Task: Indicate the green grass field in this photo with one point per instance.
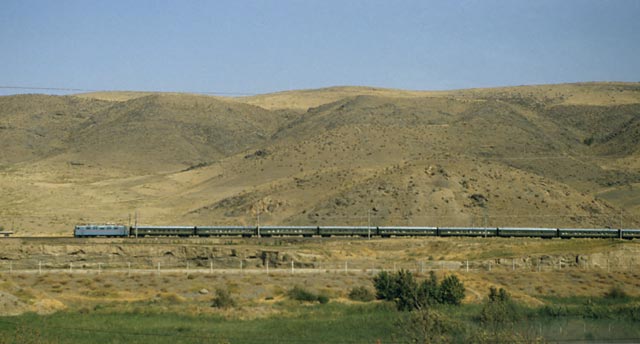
(332, 323)
(595, 320)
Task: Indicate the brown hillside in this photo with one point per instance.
(167, 132)
(37, 126)
(549, 155)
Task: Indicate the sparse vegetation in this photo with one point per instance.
(299, 293)
(362, 294)
(499, 310)
(289, 155)
(408, 294)
(617, 293)
(403, 157)
(223, 299)
(429, 326)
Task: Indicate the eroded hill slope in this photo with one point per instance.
(549, 155)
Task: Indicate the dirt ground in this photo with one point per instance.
(169, 274)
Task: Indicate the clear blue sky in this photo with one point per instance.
(266, 46)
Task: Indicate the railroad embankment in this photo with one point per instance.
(44, 275)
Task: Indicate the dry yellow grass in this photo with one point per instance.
(530, 269)
(404, 157)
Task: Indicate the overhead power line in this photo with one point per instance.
(71, 89)
(47, 88)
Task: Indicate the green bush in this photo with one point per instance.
(429, 326)
(323, 299)
(429, 291)
(554, 311)
(617, 293)
(300, 294)
(408, 294)
(223, 299)
(362, 294)
(451, 290)
(499, 310)
(385, 286)
(407, 291)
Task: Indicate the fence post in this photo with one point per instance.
(539, 264)
(292, 267)
(211, 267)
(99, 268)
(467, 265)
(346, 268)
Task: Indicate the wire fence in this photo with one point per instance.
(253, 266)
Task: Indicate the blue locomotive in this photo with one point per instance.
(101, 231)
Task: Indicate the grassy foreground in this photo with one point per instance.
(332, 323)
(600, 319)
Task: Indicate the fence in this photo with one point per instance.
(256, 266)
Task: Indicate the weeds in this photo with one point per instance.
(362, 294)
(616, 293)
(300, 294)
(223, 299)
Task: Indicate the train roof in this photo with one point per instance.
(589, 229)
(101, 225)
(470, 228)
(407, 227)
(528, 228)
(288, 227)
(222, 227)
(164, 227)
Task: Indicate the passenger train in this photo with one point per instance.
(83, 231)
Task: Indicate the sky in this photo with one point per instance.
(249, 47)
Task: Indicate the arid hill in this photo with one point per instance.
(548, 155)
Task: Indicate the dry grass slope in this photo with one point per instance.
(552, 155)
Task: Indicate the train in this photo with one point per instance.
(113, 230)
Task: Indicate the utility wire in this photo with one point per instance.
(66, 89)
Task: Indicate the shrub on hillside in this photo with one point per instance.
(385, 286)
(323, 299)
(451, 290)
(408, 294)
(429, 290)
(223, 299)
(300, 294)
(499, 310)
(616, 292)
(362, 294)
